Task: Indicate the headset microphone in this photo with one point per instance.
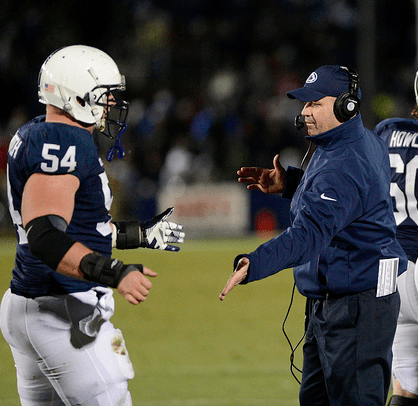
(299, 122)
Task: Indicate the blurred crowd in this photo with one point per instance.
(207, 80)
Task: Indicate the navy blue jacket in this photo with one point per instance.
(341, 215)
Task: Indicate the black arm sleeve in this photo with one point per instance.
(48, 240)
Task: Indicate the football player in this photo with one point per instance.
(401, 137)
(56, 314)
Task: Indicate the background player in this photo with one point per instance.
(401, 137)
(55, 316)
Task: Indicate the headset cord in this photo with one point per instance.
(293, 367)
(293, 349)
(306, 155)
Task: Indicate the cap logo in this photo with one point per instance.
(312, 78)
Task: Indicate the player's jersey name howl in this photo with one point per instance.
(404, 139)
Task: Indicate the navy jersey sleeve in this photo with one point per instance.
(57, 149)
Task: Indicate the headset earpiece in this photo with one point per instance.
(347, 104)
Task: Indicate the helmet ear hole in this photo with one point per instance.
(81, 101)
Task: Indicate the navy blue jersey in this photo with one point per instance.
(56, 149)
(401, 137)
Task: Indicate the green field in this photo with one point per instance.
(187, 347)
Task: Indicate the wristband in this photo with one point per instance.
(106, 271)
(129, 235)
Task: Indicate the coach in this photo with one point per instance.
(342, 248)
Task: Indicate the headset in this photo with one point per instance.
(347, 104)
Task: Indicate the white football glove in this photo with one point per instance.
(157, 232)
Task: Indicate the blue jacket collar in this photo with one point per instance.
(349, 131)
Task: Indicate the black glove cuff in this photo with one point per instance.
(143, 234)
(128, 234)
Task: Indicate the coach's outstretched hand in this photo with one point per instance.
(266, 180)
(237, 277)
(157, 232)
(134, 287)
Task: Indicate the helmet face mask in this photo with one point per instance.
(115, 112)
(81, 80)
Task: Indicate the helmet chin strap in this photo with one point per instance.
(101, 122)
(67, 106)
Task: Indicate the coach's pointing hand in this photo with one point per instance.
(237, 277)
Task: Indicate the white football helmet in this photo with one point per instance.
(81, 80)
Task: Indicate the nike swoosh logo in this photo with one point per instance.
(327, 198)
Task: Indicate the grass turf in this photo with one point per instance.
(187, 347)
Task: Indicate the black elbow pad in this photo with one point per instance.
(48, 240)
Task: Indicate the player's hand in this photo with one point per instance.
(237, 277)
(266, 180)
(158, 233)
(134, 287)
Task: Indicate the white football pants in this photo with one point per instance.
(66, 350)
(405, 345)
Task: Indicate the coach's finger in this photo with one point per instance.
(237, 277)
(276, 162)
(229, 286)
(249, 171)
